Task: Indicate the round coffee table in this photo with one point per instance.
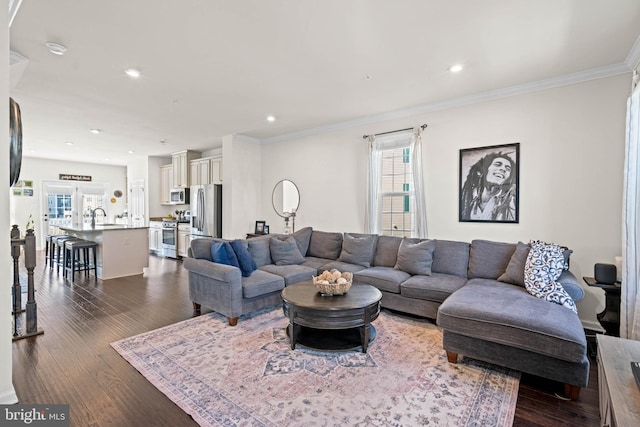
(331, 322)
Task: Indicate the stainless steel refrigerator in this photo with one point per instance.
(206, 211)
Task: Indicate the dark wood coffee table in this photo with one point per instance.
(331, 322)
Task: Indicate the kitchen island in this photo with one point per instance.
(123, 250)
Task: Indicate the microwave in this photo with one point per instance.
(179, 196)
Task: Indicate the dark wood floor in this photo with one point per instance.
(73, 362)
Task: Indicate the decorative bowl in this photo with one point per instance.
(333, 282)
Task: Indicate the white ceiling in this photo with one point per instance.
(213, 67)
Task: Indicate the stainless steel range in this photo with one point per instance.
(170, 238)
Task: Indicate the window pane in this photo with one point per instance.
(396, 186)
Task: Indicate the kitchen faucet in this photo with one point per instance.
(93, 216)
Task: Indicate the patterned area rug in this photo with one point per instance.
(248, 376)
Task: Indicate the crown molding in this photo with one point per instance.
(567, 79)
(14, 5)
(633, 59)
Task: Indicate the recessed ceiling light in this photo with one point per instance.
(56, 48)
(69, 143)
(95, 131)
(130, 151)
(271, 119)
(456, 68)
(133, 73)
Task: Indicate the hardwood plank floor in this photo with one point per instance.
(73, 362)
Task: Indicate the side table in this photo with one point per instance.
(609, 318)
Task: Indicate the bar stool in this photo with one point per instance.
(49, 249)
(59, 246)
(76, 257)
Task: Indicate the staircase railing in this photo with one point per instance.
(31, 308)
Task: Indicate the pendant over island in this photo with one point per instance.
(123, 250)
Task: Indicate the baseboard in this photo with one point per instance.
(9, 397)
(592, 325)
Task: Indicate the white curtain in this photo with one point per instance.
(630, 301)
(420, 228)
(371, 213)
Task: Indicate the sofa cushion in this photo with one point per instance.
(201, 248)
(386, 253)
(259, 249)
(358, 248)
(506, 314)
(223, 253)
(290, 273)
(451, 257)
(284, 251)
(303, 237)
(514, 273)
(415, 256)
(315, 263)
(488, 260)
(325, 244)
(340, 266)
(247, 264)
(384, 278)
(261, 283)
(436, 287)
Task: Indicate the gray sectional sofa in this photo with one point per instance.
(475, 291)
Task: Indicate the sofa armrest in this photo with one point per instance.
(571, 285)
(215, 271)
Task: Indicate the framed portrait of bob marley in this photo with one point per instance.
(489, 184)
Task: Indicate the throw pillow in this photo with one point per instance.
(489, 259)
(247, 264)
(515, 270)
(303, 237)
(415, 256)
(358, 249)
(223, 253)
(544, 265)
(259, 250)
(285, 251)
(325, 244)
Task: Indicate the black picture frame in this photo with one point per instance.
(489, 185)
(266, 229)
(260, 227)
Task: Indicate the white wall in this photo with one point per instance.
(241, 183)
(571, 160)
(7, 392)
(37, 170)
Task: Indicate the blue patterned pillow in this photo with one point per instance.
(545, 263)
(247, 264)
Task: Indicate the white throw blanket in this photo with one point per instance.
(543, 267)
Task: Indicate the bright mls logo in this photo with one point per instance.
(35, 415)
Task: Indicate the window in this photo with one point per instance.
(396, 213)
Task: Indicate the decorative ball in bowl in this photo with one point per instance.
(333, 282)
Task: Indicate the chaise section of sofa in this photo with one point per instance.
(501, 323)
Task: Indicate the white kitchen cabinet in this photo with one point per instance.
(207, 170)
(184, 237)
(166, 184)
(155, 236)
(215, 171)
(181, 167)
(200, 171)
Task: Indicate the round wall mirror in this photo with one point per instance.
(285, 198)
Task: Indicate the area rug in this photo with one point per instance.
(248, 376)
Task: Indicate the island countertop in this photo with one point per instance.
(101, 227)
(123, 250)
